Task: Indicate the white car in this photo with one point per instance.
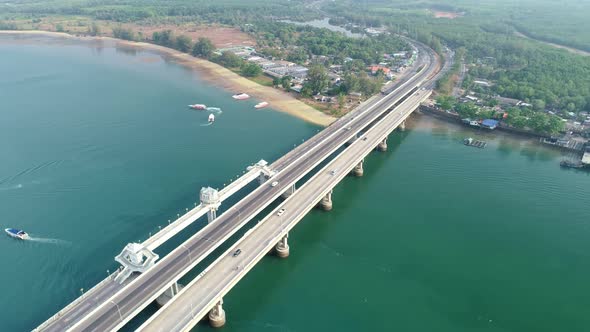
(274, 184)
(280, 213)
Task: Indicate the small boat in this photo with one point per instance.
(240, 96)
(261, 105)
(17, 233)
(213, 109)
(475, 143)
(198, 106)
(211, 118)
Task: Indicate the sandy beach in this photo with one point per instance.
(215, 74)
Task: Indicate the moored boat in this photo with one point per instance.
(240, 96)
(198, 106)
(261, 105)
(17, 233)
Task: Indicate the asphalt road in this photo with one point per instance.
(109, 307)
(198, 297)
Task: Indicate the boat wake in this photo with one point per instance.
(215, 110)
(206, 124)
(48, 240)
(15, 187)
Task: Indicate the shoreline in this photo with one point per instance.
(211, 73)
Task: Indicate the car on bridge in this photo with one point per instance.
(237, 252)
(274, 184)
(280, 213)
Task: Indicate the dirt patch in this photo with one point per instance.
(222, 37)
(448, 15)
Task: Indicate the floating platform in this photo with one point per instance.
(475, 143)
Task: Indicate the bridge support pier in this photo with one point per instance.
(402, 126)
(169, 294)
(358, 169)
(326, 202)
(289, 191)
(210, 198)
(282, 248)
(383, 145)
(217, 315)
(211, 215)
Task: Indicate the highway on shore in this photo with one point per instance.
(198, 297)
(110, 307)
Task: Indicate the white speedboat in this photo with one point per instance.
(17, 233)
(198, 106)
(261, 105)
(211, 118)
(240, 96)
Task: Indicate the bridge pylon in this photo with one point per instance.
(210, 198)
(217, 315)
(358, 169)
(134, 258)
(382, 146)
(282, 247)
(326, 202)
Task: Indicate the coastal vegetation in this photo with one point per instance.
(486, 35)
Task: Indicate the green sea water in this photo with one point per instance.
(98, 149)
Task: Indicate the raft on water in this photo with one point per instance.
(475, 143)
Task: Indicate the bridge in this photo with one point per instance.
(143, 278)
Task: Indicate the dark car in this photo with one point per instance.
(237, 252)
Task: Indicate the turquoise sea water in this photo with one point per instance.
(98, 149)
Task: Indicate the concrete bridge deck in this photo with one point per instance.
(196, 300)
(112, 305)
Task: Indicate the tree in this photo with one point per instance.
(230, 60)
(341, 101)
(306, 91)
(183, 43)
(164, 38)
(317, 78)
(445, 102)
(539, 104)
(286, 82)
(467, 110)
(249, 69)
(123, 33)
(203, 48)
(59, 28)
(276, 82)
(94, 29)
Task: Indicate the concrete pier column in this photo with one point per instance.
(168, 294)
(289, 191)
(402, 126)
(262, 178)
(217, 315)
(358, 169)
(282, 248)
(383, 145)
(211, 214)
(326, 202)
